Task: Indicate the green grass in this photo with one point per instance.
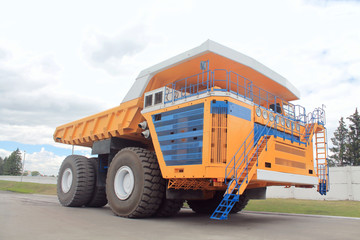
(25, 187)
(316, 207)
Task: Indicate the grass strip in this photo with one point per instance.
(26, 187)
(315, 207)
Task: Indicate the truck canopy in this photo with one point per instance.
(220, 57)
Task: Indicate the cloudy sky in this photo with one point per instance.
(63, 60)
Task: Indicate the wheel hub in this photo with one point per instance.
(124, 182)
(66, 180)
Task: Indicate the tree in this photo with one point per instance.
(353, 146)
(1, 166)
(35, 173)
(339, 145)
(12, 164)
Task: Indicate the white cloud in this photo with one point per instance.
(112, 52)
(4, 153)
(32, 100)
(47, 163)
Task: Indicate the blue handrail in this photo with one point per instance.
(222, 80)
(245, 156)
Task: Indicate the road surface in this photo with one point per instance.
(24, 216)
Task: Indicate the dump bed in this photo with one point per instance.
(120, 121)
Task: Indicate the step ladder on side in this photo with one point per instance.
(242, 169)
(322, 167)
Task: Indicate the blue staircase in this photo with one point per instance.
(225, 206)
(241, 169)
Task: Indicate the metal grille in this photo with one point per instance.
(219, 132)
(291, 150)
(289, 163)
(187, 183)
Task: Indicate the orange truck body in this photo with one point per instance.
(217, 120)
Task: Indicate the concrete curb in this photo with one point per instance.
(301, 215)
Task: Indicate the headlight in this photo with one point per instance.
(265, 114)
(292, 125)
(283, 121)
(271, 116)
(288, 123)
(258, 112)
(298, 127)
(277, 119)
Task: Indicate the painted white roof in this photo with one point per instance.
(145, 76)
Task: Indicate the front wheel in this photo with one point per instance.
(134, 186)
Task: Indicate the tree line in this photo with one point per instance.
(11, 165)
(346, 142)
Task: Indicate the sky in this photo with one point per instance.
(64, 60)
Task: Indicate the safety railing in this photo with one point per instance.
(248, 150)
(317, 116)
(222, 80)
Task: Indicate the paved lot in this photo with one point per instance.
(41, 217)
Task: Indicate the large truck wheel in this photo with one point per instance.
(98, 198)
(75, 181)
(169, 208)
(134, 185)
(208, 206)
(243, 201)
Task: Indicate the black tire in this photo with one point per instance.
(148, 186)
(208, 206)
(98, 198)
(79, 192)
(169, 207)
(243, 201)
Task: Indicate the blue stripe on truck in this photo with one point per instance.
(180, 135)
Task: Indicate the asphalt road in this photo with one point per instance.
(25, 216)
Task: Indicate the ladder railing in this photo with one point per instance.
(322, 168)
(316, 126)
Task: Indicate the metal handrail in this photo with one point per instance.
(246, 160)
(234, 83)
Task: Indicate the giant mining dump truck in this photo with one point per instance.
(210, 126)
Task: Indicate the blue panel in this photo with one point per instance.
(180, 134)
(258, 129)
(222, 107)
(239, 111)
(219, 107)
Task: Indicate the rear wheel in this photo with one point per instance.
(134, 185)
(76, 181)
(98, 198)
(169, 207)
(243, 201)
(208, 206)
